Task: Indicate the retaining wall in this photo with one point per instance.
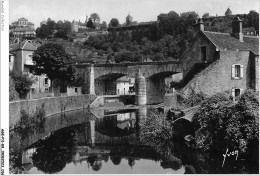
(52, 105)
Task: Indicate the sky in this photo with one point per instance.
(141, 10)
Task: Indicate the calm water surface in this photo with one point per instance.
(89, 142)
(106, 142)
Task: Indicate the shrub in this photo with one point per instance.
(156, 131)
(220, 124)
(13, 94)
(194, 99)
(22, 83)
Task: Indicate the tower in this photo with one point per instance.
(129, 19)
(228, 12)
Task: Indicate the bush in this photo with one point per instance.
(158, 57)
(157, 132)
(22, 83)
(127, 56)
(194, 99)
(13, 94)
(220, 124)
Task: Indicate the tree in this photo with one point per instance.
(52, 154)
(103, 25)
(90, 24)
(52, 60)
(22, 83)
(95, 17)
(13, 94)
(220, 124)
(114, 22)
(11, 34)
(253, 19)
(205, 15)
(158, 57)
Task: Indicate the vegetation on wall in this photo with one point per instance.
(13, 94)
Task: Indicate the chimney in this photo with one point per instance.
(237, 29)
(198, 26)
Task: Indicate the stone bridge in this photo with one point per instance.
(149, 78)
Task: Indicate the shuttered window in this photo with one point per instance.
(237, 71)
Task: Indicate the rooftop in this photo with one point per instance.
(23, 29)
(224, 41)
(26, 45)
(249, 29)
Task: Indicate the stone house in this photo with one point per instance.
(231, 61)
(20, 61)
(124, 85)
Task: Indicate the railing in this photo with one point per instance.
(114, 93)
(106, 93)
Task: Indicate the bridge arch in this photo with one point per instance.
(155, 86)
(182, 127)
(106, 84)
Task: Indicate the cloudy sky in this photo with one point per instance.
(141, 10)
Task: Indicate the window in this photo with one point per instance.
(237, 71)
(203, 51)
(76, 90)
(45, 81)
(236, 93)
(30, 70)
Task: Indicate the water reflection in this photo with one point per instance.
(99, 144)
(107, 143)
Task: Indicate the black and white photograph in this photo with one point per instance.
(130, 87)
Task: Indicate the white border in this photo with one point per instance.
(4, 109)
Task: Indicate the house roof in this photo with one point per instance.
(23, 46)
(123, 79)
(224, 41)
(22, 19)
(23, 29)
(249, 29)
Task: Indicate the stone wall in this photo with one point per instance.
(193, 54)
(52, 105)
(217, 76)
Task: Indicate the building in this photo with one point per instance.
(125, 85)
(44, 22)
(24, 32)
(231, 60)
(130, 25)
(20, 61)
(22, 23)
(228, 12)
(72, 91)
(77, 25)
(22, 29)
(250, 31)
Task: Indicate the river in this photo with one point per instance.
(98, 141)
